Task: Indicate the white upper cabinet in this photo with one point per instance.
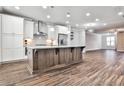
(18, 41)
(12, 38)
(12, 24)
(19, 23)
(0, 41)
(8, 41)
(18, 53)
(51, 32)
(62, 29)
(28, 29)
(35, 27)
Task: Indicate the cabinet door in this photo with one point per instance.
(0, 41)
(12, 54)
(18, 53)
(68, 56)
(43, 27)
(42, 59)
(28, 29)
(61, 56)
(77, 54)
(18, 41)
(12, 38)
(12, 24)
(35, 28)
(18, 25)
(7, 54)
(7, 41)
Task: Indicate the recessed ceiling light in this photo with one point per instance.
(67, 22)
(96, 19)
(37, 33)
(17, 7)
(68, 14)
(68, 32)
(52, 29)
(120, 13)
(40, 38)
(88, 14)
(90, 30)
(90, 24)
(48, 16)
(104, 24)
(44, 7)
(77, 25)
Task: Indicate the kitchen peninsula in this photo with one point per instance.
(45, 58)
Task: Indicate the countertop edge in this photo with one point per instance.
(50, 47)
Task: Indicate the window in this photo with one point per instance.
(110, 41)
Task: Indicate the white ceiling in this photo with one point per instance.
(106, 14)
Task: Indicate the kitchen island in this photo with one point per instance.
(46, 58)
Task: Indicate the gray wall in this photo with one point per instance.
(93, 41)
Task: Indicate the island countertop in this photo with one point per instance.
(49, 47)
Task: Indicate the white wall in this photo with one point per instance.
(79, 37)
(93, 41)
(104, 45)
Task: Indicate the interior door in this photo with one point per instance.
(120, 41)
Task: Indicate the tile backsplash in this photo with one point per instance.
(39, 40)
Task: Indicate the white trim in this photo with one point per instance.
(120, 50)
(93, 49)
(12, 61)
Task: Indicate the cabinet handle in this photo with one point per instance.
(82, 48)
(35, 51)
(56, 50)
(72, 49)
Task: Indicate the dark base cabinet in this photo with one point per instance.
(47, 58)
(41, 60)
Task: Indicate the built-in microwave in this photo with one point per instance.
(62, 39)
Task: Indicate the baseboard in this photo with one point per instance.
(93, 50)
(120, 50)
(12, 61)
(108, 49)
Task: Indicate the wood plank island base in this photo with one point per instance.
(42, 59)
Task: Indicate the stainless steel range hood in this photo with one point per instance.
(40, 34)
(42, 29)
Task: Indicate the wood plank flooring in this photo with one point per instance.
(103, 67)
